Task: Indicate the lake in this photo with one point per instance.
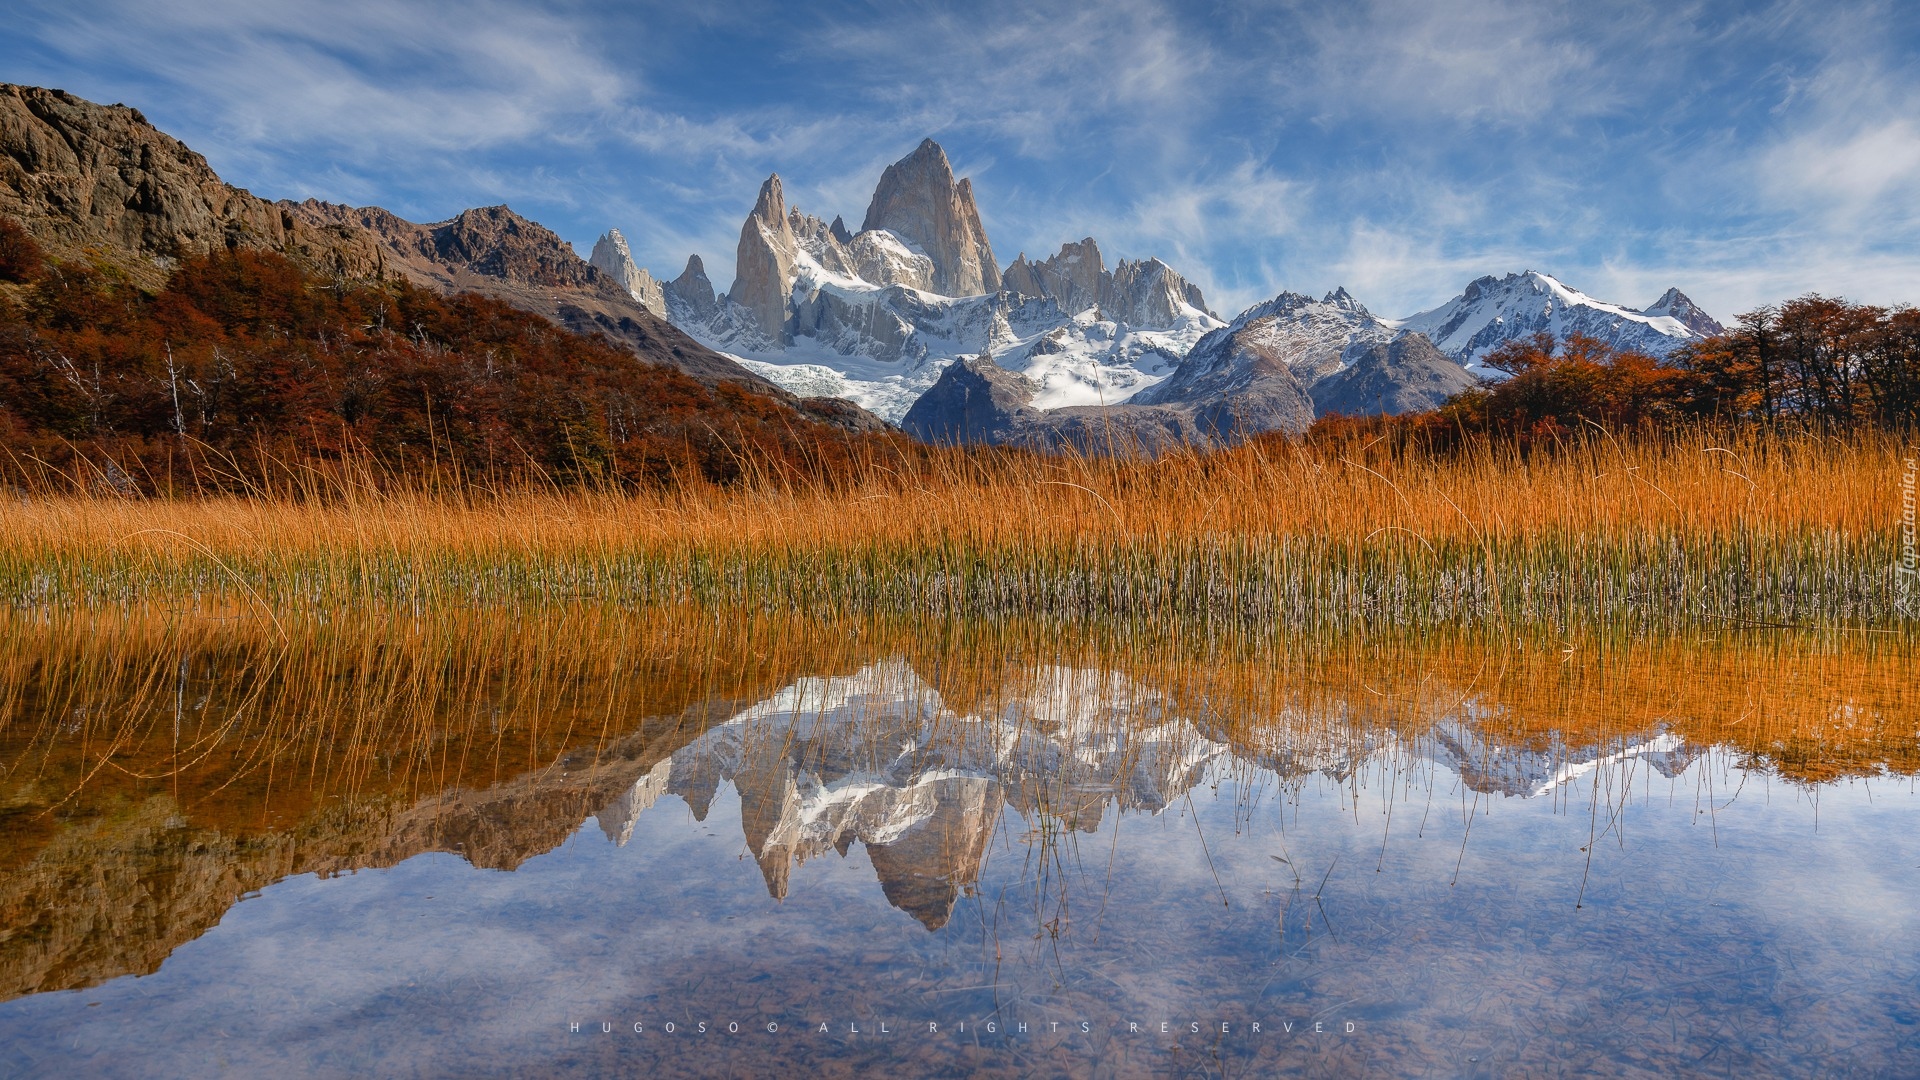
(706, 843)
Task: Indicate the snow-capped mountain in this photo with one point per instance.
(879, 316)
(875, 316)
(1337, 356)
(1493, 311)
(1276, 367)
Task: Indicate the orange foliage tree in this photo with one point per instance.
(243, 359)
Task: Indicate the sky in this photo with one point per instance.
(1745, 152)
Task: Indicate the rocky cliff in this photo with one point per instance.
(764, 263)
(690, 296)
(101, 184)
(919, 201)
(1143, 293)
(612, 257)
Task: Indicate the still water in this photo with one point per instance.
(1000, 859)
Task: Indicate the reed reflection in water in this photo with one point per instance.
(1486, 855)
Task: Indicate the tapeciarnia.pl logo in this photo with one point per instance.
(1909, 564)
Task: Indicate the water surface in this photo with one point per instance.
(739, 849)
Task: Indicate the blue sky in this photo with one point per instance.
(1746, 152)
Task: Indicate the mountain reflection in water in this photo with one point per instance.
(1488, 856)
(876, 757)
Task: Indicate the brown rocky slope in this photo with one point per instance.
(100, 184)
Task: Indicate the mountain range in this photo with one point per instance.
(910, 320)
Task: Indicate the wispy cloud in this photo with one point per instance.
(363, 74)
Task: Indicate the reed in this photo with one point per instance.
(1696, 526)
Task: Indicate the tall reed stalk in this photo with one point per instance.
(1698, 526)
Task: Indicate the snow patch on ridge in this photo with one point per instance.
(1493, 311)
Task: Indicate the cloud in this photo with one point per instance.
(1503, 62)
(366, 76)
(1044, 76)
(1847, 146)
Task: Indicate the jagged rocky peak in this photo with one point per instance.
(693, 289)
(839, 230)
(764, 261)
(612, 257)
(1340, 297)
(817, 239)
(1075, 278)
(493, 241)
(919, 201)
(1674, 304)
(1146, 292)
(1022, 277)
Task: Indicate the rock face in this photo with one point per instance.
(1407, 374)
(1492, 311)
(976, 401)
(1147, 293)
(919, 201)
(690, 296)
(763, 263)
(1076, 277)
(99, 182)
(612, 257)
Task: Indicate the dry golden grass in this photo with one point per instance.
(1727, 525)
(250, 728)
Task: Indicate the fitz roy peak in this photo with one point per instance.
(919, 201)
(875, 316)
